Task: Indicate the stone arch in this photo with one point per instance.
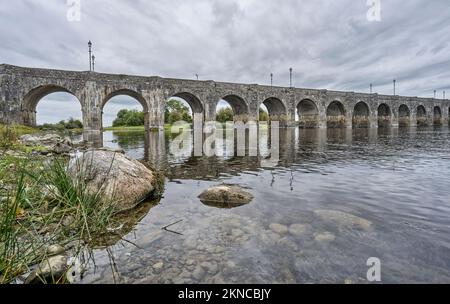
(404, 116)
(437, 116)
(239, 107)
(308, 114)
(193, 101)
(276, 108)
(336, 115)
(130, 93)
(384, 116)
(361, 115)
(421, 115)
(126, 92)
(32, 98)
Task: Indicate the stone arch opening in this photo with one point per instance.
(404, 116)
(193, 101)
(184, 106)
(384, 116)
(437, 117)
(361, 115)
(308, 114)
(336, 115)
(275, 109)
(421, 115)
(124, 108)
(237, 108)
(54, 101)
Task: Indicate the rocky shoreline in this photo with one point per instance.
(83, 185)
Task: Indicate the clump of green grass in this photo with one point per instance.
(45, 207)
(9, 137)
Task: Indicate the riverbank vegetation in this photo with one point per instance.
(71, 124)
(134, 120)
(129, 118)
(176, 111)
(42, 206)
(167, 127)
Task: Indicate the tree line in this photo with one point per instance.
(175, 111)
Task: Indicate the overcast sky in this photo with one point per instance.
(330, 44)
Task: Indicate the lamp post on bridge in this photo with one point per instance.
(196, 76)
(90, 55)
(271, 79)
(443, 95)
(395, 82)
(371, 88)
(290, 77)
(434, 94)
(93, 63)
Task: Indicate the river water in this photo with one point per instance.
(335, 199)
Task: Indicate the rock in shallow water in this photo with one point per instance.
(225, 196)
(324, 237)
(119, 179)
(278, 228)
(344, 219)
(198, 273)
(297, 229)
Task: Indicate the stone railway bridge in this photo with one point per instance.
(21, 89)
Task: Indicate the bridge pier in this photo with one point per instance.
(394, 120)
(349, 119)
(413, 120)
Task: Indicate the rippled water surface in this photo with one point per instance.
(339, 197)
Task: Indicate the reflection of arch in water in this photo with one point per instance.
(211, 168)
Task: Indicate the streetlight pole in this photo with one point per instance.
(90, 55)
(93, 63)
(271, 79)
(371, 87)
(444, 95)
(434, 94)
(196, 75)
(290, 77)
(395, 81)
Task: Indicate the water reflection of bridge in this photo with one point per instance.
(296, 147)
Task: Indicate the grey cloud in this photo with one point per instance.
(330, 44)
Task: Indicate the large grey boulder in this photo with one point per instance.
(225, 196)
(119, 179)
